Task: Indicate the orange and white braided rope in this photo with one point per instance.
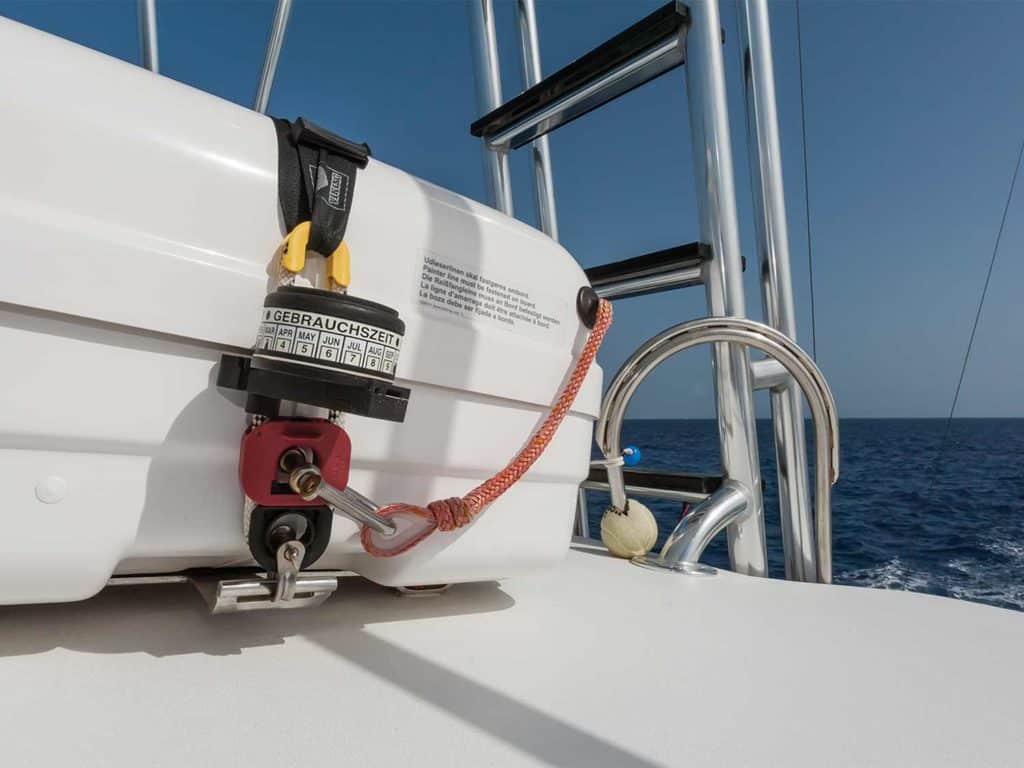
(449, 514)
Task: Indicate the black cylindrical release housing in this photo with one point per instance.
(311, 327)
(326, 349)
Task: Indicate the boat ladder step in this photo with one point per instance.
(644, 51)
(664, 270)
(657, 483)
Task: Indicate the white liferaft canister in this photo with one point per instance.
(140, 293)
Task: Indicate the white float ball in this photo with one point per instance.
(629, 533)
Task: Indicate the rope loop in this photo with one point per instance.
(415, 523)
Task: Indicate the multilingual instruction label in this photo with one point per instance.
(461, 290)
(332, 340)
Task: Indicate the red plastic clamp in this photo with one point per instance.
(259, 465)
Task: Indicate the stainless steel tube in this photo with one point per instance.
(273, 54)
(308, 483)
(488, 92)
(738, 331)
(582, 527)
(769, 374)
(723, 276)
(544, 185)
(661, 281)
(352, 503)
(148, 47)
(701, 524)
(765, 156)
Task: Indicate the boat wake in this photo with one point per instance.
(990, 580)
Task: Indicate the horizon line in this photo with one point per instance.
(841, 418)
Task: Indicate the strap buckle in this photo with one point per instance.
(293, 255)
(316, 185)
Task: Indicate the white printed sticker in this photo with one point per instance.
(461, 290)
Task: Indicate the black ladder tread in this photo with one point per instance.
(655, 263)
(657, 26)
(662, 479)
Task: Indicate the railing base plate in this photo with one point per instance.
(686, 569)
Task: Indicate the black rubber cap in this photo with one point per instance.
(317, 536)
(233, 371)
(587, 302)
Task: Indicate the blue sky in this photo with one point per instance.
(914, 118)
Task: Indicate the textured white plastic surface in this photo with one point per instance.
(138, 223)
(597, 663)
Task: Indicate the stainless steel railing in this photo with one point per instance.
(723, 277)
(765, 158)
(148, 44)
(543, 183)
(488, 96)
(735, 375)
(273, 54)
(688, 541)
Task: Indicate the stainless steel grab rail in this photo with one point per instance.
(765, 155)
(547, 219)
(272, 56)
(488, 95)
(149, 48)
(691, 536)
(771, 342)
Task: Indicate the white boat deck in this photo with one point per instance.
(594, 663)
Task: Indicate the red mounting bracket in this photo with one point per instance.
(259, 465)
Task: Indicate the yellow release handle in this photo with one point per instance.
(293, 255)
(338, 268)
(293, 251)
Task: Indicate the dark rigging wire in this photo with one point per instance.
(977, 318)
(807, 190)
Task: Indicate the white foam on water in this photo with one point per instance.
(962, 579)
(1011, 596)
(893, 574)
(1014, 550)
(966, 567)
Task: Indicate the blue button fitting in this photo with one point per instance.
(631, 456)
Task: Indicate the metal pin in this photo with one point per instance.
(294, 458)
(289, 560)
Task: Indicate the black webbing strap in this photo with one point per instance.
(316, 173)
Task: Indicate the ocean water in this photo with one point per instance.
(897, 524)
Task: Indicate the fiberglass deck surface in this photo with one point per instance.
(594, 663)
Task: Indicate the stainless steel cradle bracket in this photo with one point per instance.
(289, 588)
(245, 592)
(257, 594)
